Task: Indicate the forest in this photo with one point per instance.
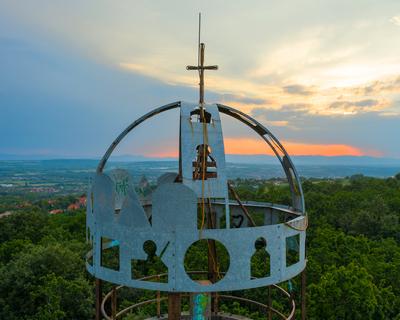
(353, 252)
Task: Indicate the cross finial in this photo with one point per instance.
(201, 67)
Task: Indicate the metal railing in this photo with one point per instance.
(112, 297)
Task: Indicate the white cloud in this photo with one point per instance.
(395, 20)
(326, 57)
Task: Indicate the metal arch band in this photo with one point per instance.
(134, 124)
(269, 138)
(286, 162)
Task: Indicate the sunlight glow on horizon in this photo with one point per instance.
(248, 146)
(324, 77)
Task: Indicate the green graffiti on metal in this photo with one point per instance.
(201, 302)
(121, 186)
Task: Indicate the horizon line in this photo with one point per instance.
(27, 157)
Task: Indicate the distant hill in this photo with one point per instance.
(238, 158)
(316, 160)
(139, 158)
(257, 167)
(267, 159)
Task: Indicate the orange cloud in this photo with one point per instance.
(258, 146)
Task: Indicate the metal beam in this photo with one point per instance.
(174, 306)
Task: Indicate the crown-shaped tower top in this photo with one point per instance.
(191, 205)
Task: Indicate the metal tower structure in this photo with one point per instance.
(189, 206)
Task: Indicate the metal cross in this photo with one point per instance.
(201, 67)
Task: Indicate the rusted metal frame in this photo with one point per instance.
(212, 250)
(211, 221)
(174, 305)
(158, 304)
(124, 311)
(201, 165)
(303, 295)
(137, 305)
(99, 298)
(215, 303)
(105, 299)
(205, 149)
(158, 297)
(142, 303)
(201, 93)
(265, 134)
(213, 272)
(201, 67)
(293, 303)
(209, 164)
(134, 124)
(207, 175)
(269, 303)
(273, 310)
(197, 172)
(244, 209)
(198, 164)
(114, 303)
(212, 258)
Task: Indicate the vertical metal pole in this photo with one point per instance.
(158, 300)
(303, 295)
(114, 303)
(215, 304)
(200, 64)
(99, 297)
(201, 74)
(174, 306)
(212, 249)
(212, 257)
(269, 303)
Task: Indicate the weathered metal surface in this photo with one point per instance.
(174, 208)
(168, 177)
(115, 212)
(174, 238)
(192, 136)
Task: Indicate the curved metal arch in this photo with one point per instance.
(269, 138)
(287, 164)
(134, 124)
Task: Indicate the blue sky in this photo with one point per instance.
(323, 76)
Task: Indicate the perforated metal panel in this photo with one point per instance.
(115, 212)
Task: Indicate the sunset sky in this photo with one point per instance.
(323, 76)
